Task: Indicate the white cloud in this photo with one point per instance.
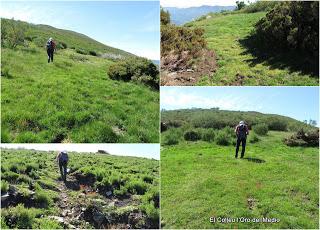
(189, 3)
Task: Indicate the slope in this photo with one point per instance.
(229, 35)
(72, 99)
(218, 119)
(101, 191)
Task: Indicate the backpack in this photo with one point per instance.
(63, 158)
(49, 44)
(242, 131)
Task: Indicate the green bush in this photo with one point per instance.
(164, 17)
(171, 137)
(178, 39)
(253, 138)
(45, 223)
(122, 191)
(292, 25)
(192, 135)
(223, 138)
(10, 176)
(62, 45)
(304, 138)
(20, 217)
(93, 53)
(4, 186)
(208, 135)
(12, 33)
(136, 187)
(81, 51)
(27, 137)
(135, 69)
(278, 125)
(260, 6)
(261, 129)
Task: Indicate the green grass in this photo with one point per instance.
(129, 173)
(201, 180)
(72, 99)
(229, 36)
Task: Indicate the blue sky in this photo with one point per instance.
(300, 103)
(138, 150)
(190, 3)
(133, 26)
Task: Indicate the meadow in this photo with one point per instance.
(102, 191)
(72, 99)
(242, 60)
(201, 179)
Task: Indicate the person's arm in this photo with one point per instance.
(247, 130)
(57, 158)
(236, 130)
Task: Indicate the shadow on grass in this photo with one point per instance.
(255, 160)
(293, 60)
(73, 185)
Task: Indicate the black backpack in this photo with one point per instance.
(49, 44)
(242, 131)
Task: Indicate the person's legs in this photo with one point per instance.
(237, 147)
(244, 140)
(61, 170)
(48, 52)
(65, 172)
(51, 55)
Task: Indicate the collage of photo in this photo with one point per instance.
(159, 114)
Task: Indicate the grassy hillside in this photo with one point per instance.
(218, 119)
(72, 99)
(200, 180)
(102, 191)
(243, 61)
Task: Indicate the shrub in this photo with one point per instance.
(277, 125)
(10, 176)
(78, 58)
(27, 137)
(261, 129)
(260, 6)
(81, 51)
(223, 138)
(292, 25)
(20, 217)
(253, 138)
(208, 135)
(135, 69)
(4, 186)
(62, 45)
(136, 187)
(172, 137)
(5, 72)
(192, 135)
(42, 198)
(45, 223)
(5, 136)
(121, 192)
(164, 17)
(12, 33)
(304, 138)
(178, 39)
(93, 53)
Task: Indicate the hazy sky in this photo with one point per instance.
(300, 103)
(189, 3)
(128, 25)
(138, 150)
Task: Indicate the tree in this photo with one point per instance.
(240, 5)
(12, 32)
(312, 122)
(164, 17)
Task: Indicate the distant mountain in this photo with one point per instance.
(156, 62)
(180, 16)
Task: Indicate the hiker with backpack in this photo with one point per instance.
(241, 131)
(63, 159)
(51, 45)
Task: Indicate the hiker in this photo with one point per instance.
(241, 131)
(62, 159)
(51, 45)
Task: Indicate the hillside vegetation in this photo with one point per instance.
(246, 43)
(72, 99)
(200, 180)
(102, 191)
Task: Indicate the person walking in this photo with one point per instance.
(242, 132)
(51, 45)
(62, 159)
